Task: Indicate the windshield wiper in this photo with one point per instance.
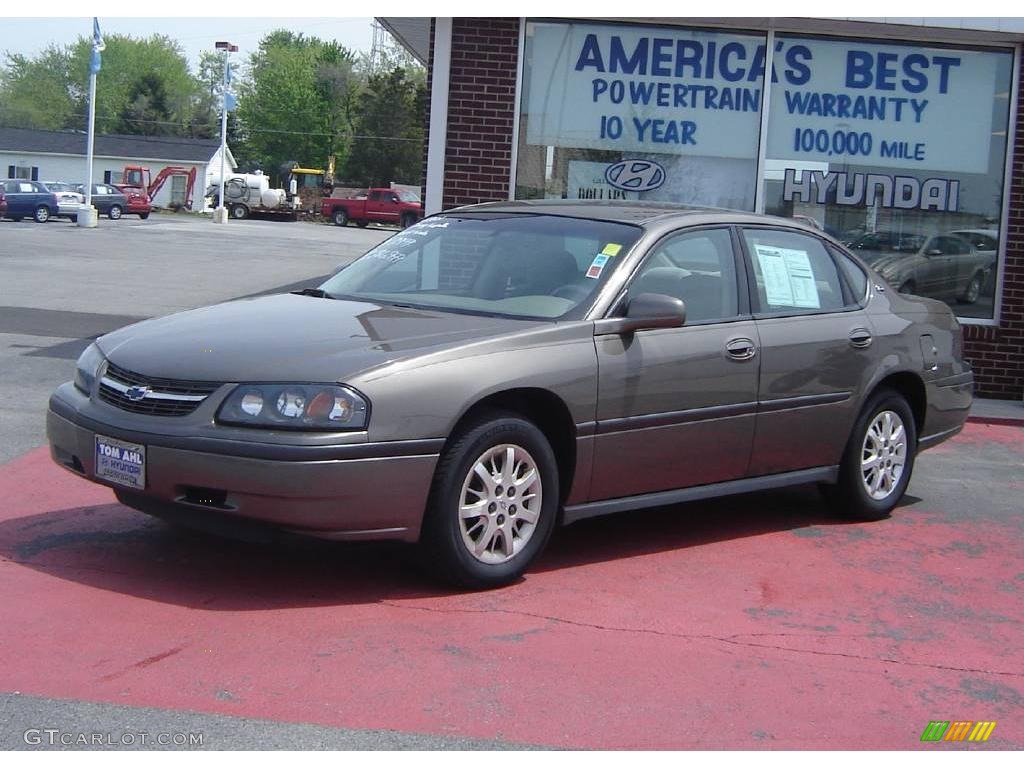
(319, 293)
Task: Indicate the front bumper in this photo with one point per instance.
(379, 492)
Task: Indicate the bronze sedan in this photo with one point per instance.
(499, 369)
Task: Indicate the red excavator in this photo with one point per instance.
(136, 184)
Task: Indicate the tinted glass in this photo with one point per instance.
(524, 265)
(697, 267)
(793, 271)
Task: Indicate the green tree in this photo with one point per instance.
(389, 131)
(145, 86)
(297, 101)
(37, 92)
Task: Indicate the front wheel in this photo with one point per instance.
(114, 213)
(340, 217)
(408, 220)
(41, 214)
(972, 291)
(144, 216)
(878, 460)
(239, 211)
(493, 502)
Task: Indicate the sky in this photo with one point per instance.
(29, 36)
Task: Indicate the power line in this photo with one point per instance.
(185, 126)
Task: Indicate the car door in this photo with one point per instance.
(19, 198)
(815, 350)
(676, 405)
(101, 198)
(380, 207)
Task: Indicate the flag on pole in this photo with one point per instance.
(97, 46)
(230, 102)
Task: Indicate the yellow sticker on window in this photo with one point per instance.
(612, 249)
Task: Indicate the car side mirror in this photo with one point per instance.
(644, 312)
(933, 252)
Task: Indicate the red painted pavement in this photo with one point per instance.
(754, 622)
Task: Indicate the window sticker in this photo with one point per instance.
(597, 266)
(788, 277)
(612, 249)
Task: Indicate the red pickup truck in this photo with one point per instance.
(387, 206)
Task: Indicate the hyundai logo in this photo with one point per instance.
(136, 393)
(635, 175)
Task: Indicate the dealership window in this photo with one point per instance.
(613, 111)
(899, 151)
(888, 146)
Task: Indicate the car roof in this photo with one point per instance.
(989, 232)
(632, 212)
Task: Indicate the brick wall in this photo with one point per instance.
(481, 110)
(997, 354)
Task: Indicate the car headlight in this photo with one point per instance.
(88, 367)
(295, 406)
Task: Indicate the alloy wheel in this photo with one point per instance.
(500, 503)
(883, 455)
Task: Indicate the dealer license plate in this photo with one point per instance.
(120, 462)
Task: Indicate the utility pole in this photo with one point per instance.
(220, 215)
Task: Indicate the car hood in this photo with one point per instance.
(290, 338)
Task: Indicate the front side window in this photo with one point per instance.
(697, 267)
(533, 266)
(793, 272)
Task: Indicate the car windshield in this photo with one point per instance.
(534, 266)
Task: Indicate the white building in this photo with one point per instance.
(60, 156)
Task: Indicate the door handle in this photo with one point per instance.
(860, 338)
(740, 349)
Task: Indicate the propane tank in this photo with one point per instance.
(272, 198)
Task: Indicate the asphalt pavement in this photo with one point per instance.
(753, 622)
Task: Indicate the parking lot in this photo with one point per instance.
(752, 622)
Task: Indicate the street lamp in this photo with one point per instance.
(220, 216)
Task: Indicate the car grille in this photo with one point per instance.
(163, 397)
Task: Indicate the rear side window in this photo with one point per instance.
(793, 272)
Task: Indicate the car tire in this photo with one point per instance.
(907, 287)
(886, 436)
(495, 547)
(340, 217)
(114, 213)
(144, 216)
(973, 290)
(408, 220)
(41, 215)
(74, 219)
(239, 211)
